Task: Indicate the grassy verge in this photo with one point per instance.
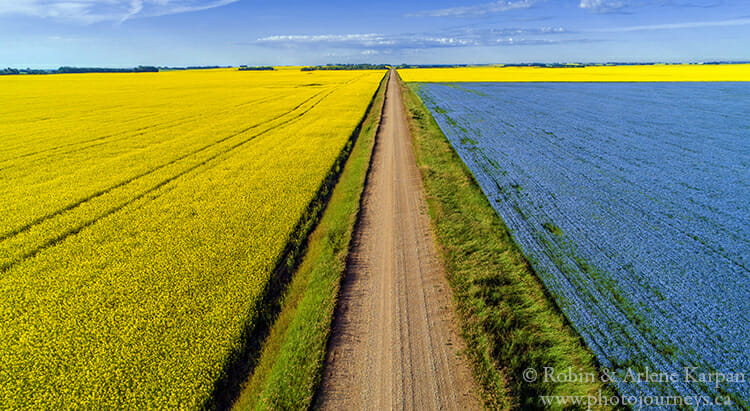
(289, 368)
(509, 321)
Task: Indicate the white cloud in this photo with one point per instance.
(478, 10)
(675, 26)
(370, 42)
(367, 40)
(606, 6)
(602, 5)
(94, 11)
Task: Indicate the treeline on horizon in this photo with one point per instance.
(69, 69)
(562, 65)
(153, 69)
(255, 68)
(347, 67)
(408, 66)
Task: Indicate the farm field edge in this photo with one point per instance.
(508, 319)
(289, 368)
(615, 73)
(184, 393)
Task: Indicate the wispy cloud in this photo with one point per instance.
(478, 10)
(367, 40)
(603, 6)
(693, 3)
(94, 11)
(379, 42)
(677, 26)
(370, 41)
(617, 6)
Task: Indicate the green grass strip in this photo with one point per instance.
(290, 366)
(509, 321)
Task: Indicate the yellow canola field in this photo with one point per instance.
(141, 216)
(681, 72)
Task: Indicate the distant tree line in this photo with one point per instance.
(139, 69)
(347, 67)
(167, 68)
(256, 68)
(405, 66)
(724, 62)
(573, 65)
(9, 70)
(545, 65)
(67, 69)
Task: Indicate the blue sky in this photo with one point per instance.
(125, 33)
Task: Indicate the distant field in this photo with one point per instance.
(141, 217)
(680, 72)
(631, 203)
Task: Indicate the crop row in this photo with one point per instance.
(135, 270)
(630, 200)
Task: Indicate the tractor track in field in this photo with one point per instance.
(186, 156)
(168, 122)
(394, 342)
(73, 230)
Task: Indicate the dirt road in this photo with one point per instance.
(394, 343)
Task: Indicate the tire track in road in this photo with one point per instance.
(394, 343)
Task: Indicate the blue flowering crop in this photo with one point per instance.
(632, 203)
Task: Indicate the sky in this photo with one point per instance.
(127, 33)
